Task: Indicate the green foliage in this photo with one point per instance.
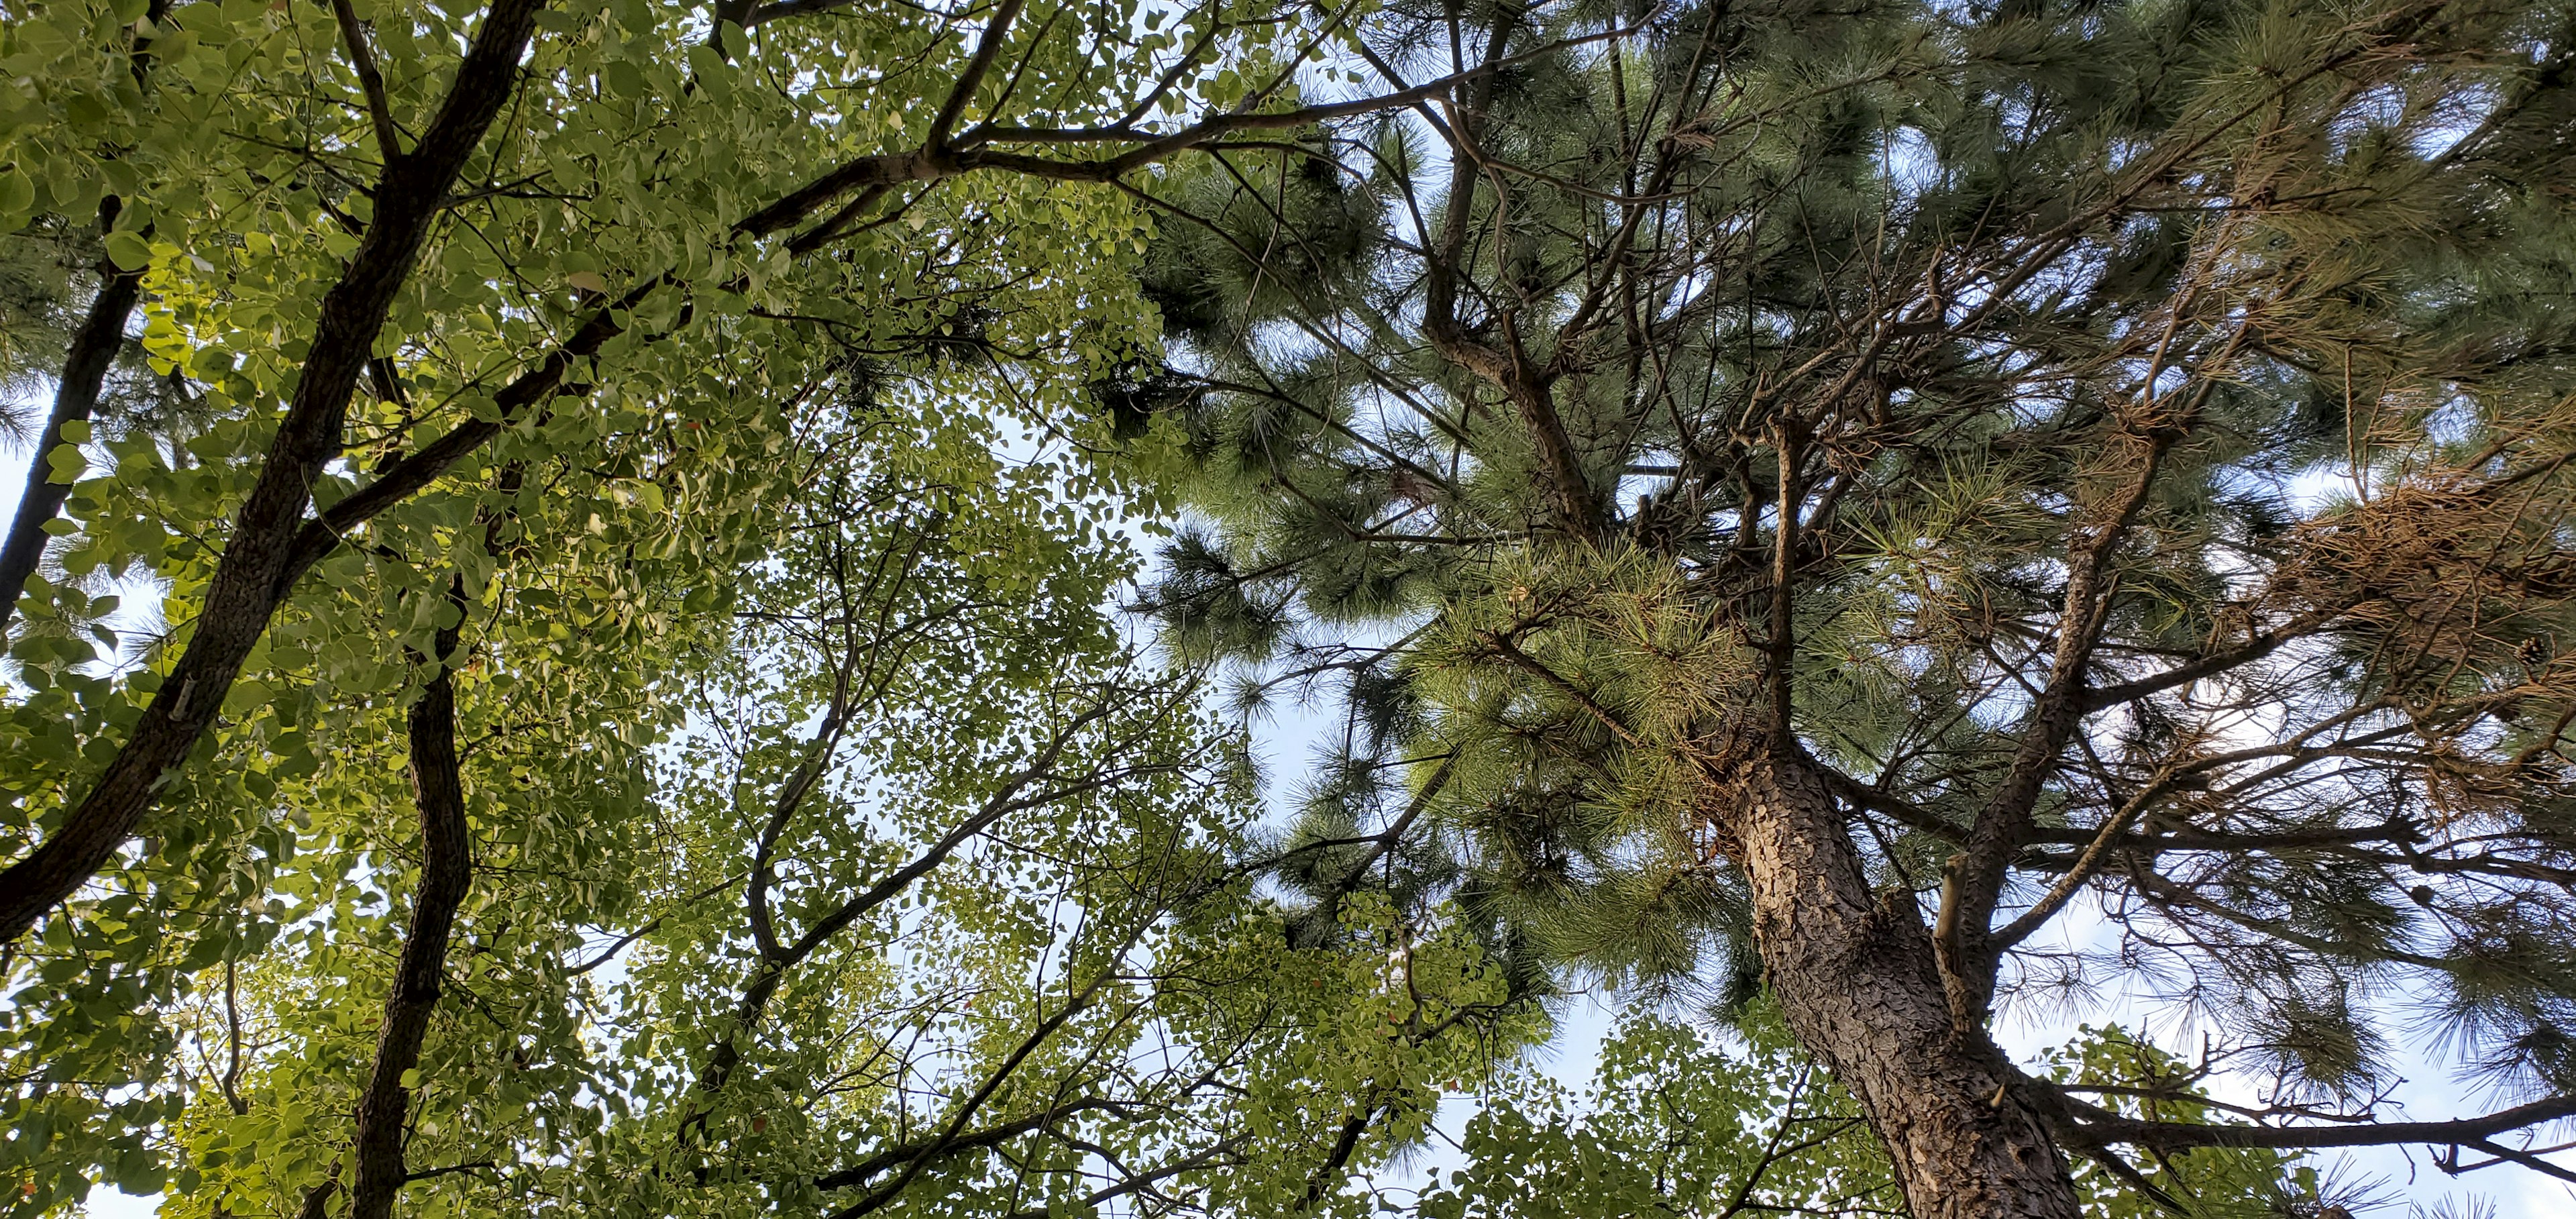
(1678, 1120)
(2135, 1077)
(1614, 869)
(833, 852)
(1674, 1122)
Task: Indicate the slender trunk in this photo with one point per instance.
(446, 873)
(1855, 976)
(85, 368)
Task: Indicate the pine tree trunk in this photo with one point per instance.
(1855, 977)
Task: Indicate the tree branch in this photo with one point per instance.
(76, 393)
(991, 1136)
(372, 83)
(323, 534)
(1783, 644)
(933, 165)
(2175, 1136)
(446, 875)
(1974, 879)
(1346, 1143)
(879, 1197)
(996, 31)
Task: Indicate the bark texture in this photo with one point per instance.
(446, 874)
(261, 560)
(1855, 976)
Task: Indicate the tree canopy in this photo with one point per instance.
(570, 641)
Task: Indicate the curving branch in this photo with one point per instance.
(991, 1136)
(1033, 785)
(876, 1199)
(973, 153)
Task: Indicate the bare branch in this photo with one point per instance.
(2102, 1126)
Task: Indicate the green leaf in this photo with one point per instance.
(128, 250)
(624, 79)
(66, 463)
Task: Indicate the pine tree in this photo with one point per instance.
(1825, 497)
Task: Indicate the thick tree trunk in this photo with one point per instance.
(1854, 973)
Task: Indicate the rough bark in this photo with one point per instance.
(84, 374)
(259, 562)
(446, 874)
(1854, 972)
